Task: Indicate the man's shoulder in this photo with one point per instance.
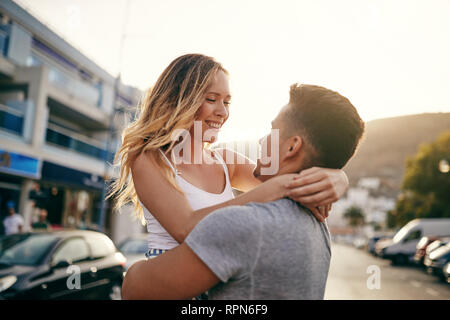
(280, 205)
(231, 214)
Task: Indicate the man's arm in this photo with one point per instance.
(176, 274)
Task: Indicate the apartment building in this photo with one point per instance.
(57, 112)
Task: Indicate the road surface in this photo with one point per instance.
(349, 275)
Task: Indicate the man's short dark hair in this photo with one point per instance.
(327, 121)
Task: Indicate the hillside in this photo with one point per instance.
(387, 144)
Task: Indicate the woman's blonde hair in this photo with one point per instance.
(171, 104)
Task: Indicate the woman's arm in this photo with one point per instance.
(171, 208)
(313, 187)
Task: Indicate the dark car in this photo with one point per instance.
(437, 259)
(421, 248)
(381, 245)
(75, 264)
(446, 272)
(373, 241)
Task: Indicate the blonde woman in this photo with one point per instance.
(171, 197)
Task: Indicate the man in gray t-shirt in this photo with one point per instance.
(274, 250)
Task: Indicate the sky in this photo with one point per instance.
(388, 57)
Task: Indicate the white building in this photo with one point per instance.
(56, 109)
(375, 208)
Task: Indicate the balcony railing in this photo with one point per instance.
(62, 137)
(11, 119)
(75, 87)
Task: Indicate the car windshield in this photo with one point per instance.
(25, 249)
(134, 246)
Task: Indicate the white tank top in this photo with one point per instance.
(158, 237)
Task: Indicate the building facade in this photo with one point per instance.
(58, 110)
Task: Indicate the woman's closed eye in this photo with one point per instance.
(227, 103)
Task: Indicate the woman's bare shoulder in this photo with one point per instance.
(145, 161)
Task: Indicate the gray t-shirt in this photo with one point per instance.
(275, 250)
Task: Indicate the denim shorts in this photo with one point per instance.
(153, 253)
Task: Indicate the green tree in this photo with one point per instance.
(425, 189)
(355, 216)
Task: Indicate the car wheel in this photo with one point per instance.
(115, 293)
(399, 259)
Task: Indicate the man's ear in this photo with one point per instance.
(294, 146)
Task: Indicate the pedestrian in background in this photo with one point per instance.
(13, 223)
(42, 223)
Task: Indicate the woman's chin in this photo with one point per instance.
(211, 137)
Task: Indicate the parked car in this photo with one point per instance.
(373, 241)
(71, 264)
(403, 246)
(446, 272)
(435, 245)
(134, 249)
(381, 245)
(421, 249)
(437, 260)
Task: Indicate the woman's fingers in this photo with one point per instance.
(323, 211)
(316, 212)
(318, 199)
(327, 201)
(299, 181)
(309, 171)
(309, 189)
(328, 209)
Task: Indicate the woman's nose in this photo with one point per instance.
(222, 110)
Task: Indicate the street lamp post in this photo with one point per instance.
(101, 217)
(115, 108)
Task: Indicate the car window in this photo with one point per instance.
(25, 249)
(101, 245)
(414, 235)
(134, 246)
(72, 250)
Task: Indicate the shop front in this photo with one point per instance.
(15, 171)
(71, 197)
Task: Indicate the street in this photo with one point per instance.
(348, 277)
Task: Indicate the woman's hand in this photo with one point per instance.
(321, 213)
(318, 187)
(275, 188)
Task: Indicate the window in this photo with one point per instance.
(22, 249)
(414, 235)
(71, 251)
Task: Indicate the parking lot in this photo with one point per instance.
(348, 278)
